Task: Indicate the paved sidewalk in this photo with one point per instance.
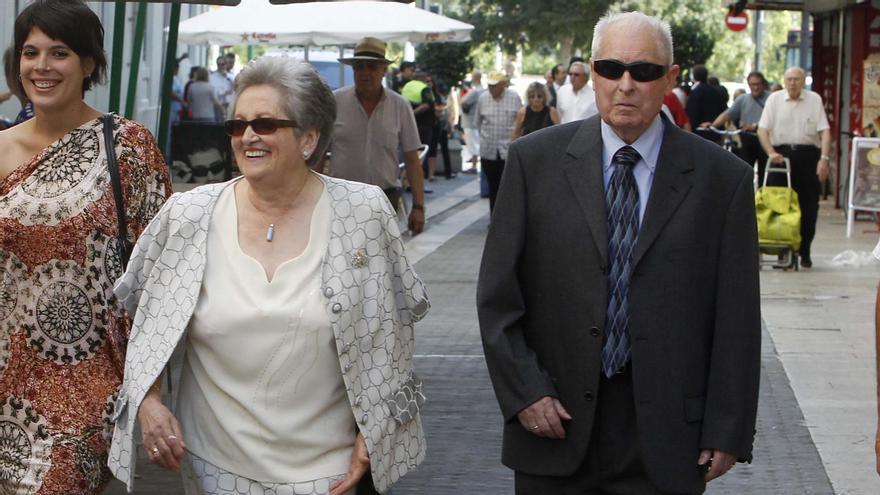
(463, 421)
(822, 324)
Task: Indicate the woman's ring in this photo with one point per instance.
(170, 437)
(155, 451)
(534, 427)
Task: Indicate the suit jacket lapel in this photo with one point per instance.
(672, 181)
(583, 167)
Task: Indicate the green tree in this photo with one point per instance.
(692, 45)
(732, 57)
(448, 62)
(512, 23)
(776, 27)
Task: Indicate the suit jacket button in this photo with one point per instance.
(328, 292)
(588, 395)
(336, 308)
(595, 331)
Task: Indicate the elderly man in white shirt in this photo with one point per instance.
(576, 100)
(793, 125)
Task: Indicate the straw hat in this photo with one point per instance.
(368, 48)
(496, 77)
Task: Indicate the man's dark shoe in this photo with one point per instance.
(470, 171)
(806, 262)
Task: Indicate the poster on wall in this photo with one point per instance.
(864, 179)
(200, 153)
(871, 96)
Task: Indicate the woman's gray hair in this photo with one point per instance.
(538, 87)
(306, 98)
(634, 22)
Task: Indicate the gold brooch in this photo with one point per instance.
(359, 259)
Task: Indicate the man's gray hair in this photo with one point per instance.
(306, 99)
(634, 22)
(583, 65)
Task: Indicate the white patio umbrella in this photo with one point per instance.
(319, 23)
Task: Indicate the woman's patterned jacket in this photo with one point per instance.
(372, 297)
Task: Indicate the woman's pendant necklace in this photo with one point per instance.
(270, 231)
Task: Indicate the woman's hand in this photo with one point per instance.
(360, 463)
(162, 437)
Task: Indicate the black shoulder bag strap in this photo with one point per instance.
(113, 167)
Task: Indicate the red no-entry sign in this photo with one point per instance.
(737, 22)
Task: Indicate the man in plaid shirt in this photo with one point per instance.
(496, 118)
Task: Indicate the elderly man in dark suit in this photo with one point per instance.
(618, 294)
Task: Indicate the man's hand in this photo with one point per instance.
(705, 125)
(822, 170)
(161, 433)
(360, 464)
(544, 418)
(416, 221)
(719, 462)
(776, 157)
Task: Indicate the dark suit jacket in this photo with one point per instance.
(694, 297)
(704, 103)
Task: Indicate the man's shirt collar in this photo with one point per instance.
(648, 144)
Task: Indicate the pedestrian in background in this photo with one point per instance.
(277, 268)
(64, 333)
(374, 127)
(704, 102)
(496, 115)
(745, 113)
(178, 105)
(10, 70)
(440, 139)
(221, 80)
(537, 114)
(576, 100)
(421, 97)
(471, 152)
(793, 125)
(202, 98)
(620, 364)
(558, 74)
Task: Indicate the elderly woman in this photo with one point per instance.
(292, 299)
(538, 114)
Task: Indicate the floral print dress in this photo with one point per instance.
(62, 332)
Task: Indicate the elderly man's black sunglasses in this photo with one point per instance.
(639, 71)
(262, 126)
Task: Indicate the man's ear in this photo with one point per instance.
(672, 76)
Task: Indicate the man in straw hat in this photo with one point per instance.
(372, 126)
(496, 117)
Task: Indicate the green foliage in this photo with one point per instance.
(735, 52)
(692, 45)
(733, 55)
(484, 57)
(538, 61)
(776, 26)
(513, 23)
(449, 62)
